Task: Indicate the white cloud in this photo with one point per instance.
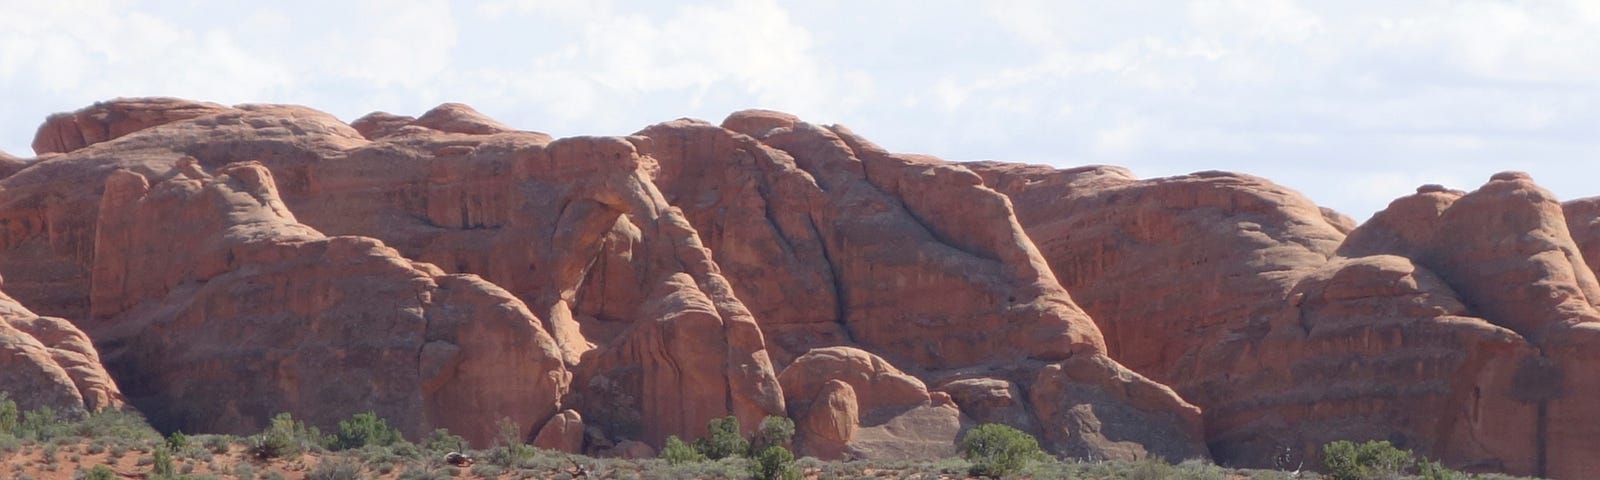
(1310, 94)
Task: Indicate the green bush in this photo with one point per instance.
(161, 465)
(216, 443)
(363, 429)
(773, 432)
(100, 472)
(42, 424)
(1151, 469)
(997, 450)
(8, 415)
(1193, 469)
(442, 441)
(774, 463)
(512, 448)
(1430, 470)
(177, 441)
(117, 425)
(722, 439)
(676, 452)
(335, 469)
(1345, 460)
(286, 436)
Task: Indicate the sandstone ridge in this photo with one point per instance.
(448, 270)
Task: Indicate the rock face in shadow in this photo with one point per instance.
(1091, 407)
(252, 313)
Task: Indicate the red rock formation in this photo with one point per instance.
(47, 362)
(588, 232)
(564, 432)
(867, 241)
(458, 118)
(878, 412)
(252, 313)
(458, 200)
(1092, 407)
(991, 400)
(829, 422)
(10, 164)
(1506, 248)
(677, 270)
(1290, 335)
(65, 132)
(377, 125)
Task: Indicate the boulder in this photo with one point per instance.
(377, 125)
(1093, 408)
(852, 403)
(47, 362)
(563, 432)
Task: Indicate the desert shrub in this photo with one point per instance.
(364, 429)
(122, 426)
(335, 469)
(512, 449)
(773, 432)
(774, 463)
(99, 472)
(1150, 469)
(676, 452)
(1199, 470)
(722, 439)
(216, 443)
(1430, 470)
(424, 473)
(484, 470)
(41, 424)
(177, 441)
(442, 441)
(286, 436)
(244, 471)
(9, 415)
(997, 450)
(161, 462)
(1345, 460)
(729, 468)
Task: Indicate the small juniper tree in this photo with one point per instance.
(676, 452)
(363, 429)
(997, 450)
(722, 439)
(773, 432)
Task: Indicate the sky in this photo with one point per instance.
(1351, 102)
